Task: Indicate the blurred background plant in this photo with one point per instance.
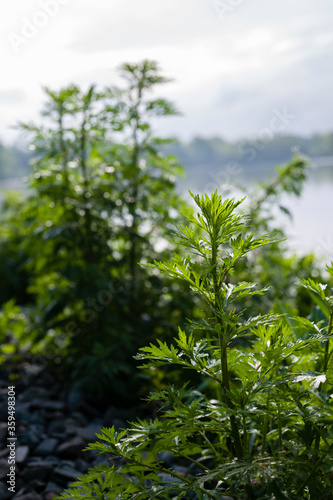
(101, 199)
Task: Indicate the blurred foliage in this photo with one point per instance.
(102, 199)
(14, 278)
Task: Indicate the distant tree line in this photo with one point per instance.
(14, 161)
(277, 149)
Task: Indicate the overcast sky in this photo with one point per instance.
(234, 62)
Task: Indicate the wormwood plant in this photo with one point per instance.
(102, 199)
(260, 423)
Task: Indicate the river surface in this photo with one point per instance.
(311, 227)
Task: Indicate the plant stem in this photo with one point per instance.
(245, 440)
(212, 447)
(133, 254)
(328, 354)
(316, 466)
(62, 145)
(159, 468)
(264, 430)
(327, 346)
(307, 416)
(279, 428)
(223, 349)
(198, 464)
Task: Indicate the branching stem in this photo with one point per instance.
(223, 347)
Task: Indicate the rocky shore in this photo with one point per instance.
(53, 424)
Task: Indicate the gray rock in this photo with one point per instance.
(20, 492)
(4, 452)
(35, 484)
(76, 403)
(71, 448)
(167, 478)
(3, 468)
(79, 417)
(72, 422)
(3, 430)
(71, 429)
(63, 474)
(88, 433)
(39, 428)
(67, 463)
(74, 399)
(166, 457)
(56, 426)
(22, 453)
(52, 491)
(46, 447)
(81, 465)
(4, 493)
(22, 412)
(51, 458)
(58, 435)
(180, 469)
(32, 495)
(100, 459)
(47, 404)
(53, 487)
(52, 495)
(97, 422)
(37, 418)
(3, 411)
(41, 470)
(29, 438)
(34, 392)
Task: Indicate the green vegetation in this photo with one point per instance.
(102, 198)
(260, 426)
(240, 374)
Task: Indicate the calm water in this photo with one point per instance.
(311, 228)
(16, 184)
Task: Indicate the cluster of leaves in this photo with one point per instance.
(102, 198)
(260, 424)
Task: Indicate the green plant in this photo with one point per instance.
(260, 424)
(102, 197)
(14, 278)
(13, 328)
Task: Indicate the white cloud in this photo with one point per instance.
(229, 73)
